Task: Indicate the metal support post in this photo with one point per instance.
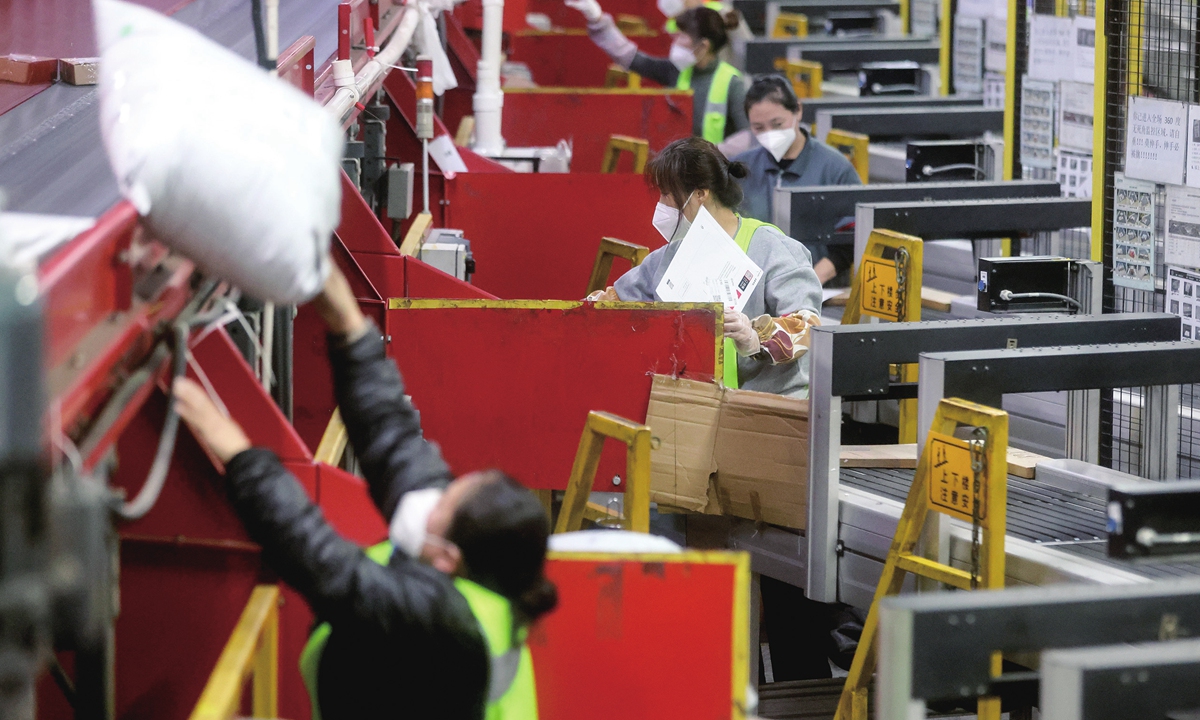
(1160, 432)
(824, 448)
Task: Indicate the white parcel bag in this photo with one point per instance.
(230, 166)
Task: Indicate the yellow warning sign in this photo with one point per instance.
(880, 296)
(951, 478)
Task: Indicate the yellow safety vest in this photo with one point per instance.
(673, 27)
(512, 694)
(716, 106)
(746, 230)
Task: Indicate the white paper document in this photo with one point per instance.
(1183, 299)
(709, 267)
(1085, 49)
(1076, 107)
(1182, 245)
(443, 152)
(1133, 233)
(1192, 131)
(1154, 140)
(1051, 48)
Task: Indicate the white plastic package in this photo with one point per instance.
(230, 166)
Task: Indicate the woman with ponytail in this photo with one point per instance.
(430, 623)
(767, 353)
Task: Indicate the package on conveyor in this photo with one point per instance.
(229, 165)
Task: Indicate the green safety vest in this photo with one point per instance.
(746, 230)
(716, 106)
(512, 694)
(673, 27)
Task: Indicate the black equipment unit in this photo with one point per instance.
(1154, 519)
(903, 77)
(843, 24)
(948, 160)
(1025, 284)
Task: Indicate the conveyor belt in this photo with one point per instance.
(1072, 522)
(51, 155)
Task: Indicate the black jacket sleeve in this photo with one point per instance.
(333, 574)
(383, 427)
(660, 70)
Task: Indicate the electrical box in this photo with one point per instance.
(949, 161)
(903, 77)
(400, 191)
(1024, 284)
(449, 252)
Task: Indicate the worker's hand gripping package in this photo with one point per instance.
(784, 339)
(230, 166)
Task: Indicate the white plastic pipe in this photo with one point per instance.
(489, 99)
(368, 79)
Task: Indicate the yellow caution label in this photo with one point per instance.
(952, 480)
(880, 295)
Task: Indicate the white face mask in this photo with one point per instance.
(671, 223)
(408, 527)
(681, 57)
(777, 142)
(670, 8)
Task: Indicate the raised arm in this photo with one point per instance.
(381, 423)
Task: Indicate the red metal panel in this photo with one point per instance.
(543, 52)
(471, 15)
(662, 633)
(178, 606)
(536, 236)
(248, 403)
(348, 507)
(564, 17)
(589, 117)
(87, 280)
(511, 387)
(425, 281)
(297, 66)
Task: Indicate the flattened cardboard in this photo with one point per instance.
(732, 452)
(762, 458)
(684, 415)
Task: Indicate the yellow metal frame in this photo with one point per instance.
(946, 33)
(905, 17)
(790, 25)
(902, 559)
(252, 653)
(613, 248)
(805, 76)
(444, 303)
(879, 242)
(333, 441)
(636, 437)
(618, 77)
(856, 148)
(741, 602)
(617, 144)
(415, 237)
(633, 25)
(1100, 114)
(466, 128)
(1010, 91)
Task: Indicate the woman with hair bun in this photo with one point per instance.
(718, 92)
(767, 353)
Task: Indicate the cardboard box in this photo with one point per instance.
(28, 69)
(79, 71)
(729, 452)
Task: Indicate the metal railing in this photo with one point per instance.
(252, 653)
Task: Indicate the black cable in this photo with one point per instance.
(260, 36)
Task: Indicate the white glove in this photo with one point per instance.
(590, 9)
(739, 330)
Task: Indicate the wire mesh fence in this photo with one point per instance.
(1152, 52)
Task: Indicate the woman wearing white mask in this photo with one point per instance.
(718, 108)
(692, 174)
(787, 156)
